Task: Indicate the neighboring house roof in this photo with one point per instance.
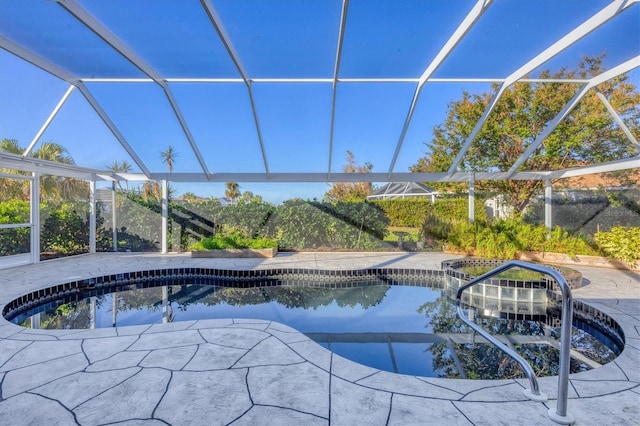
(403, 190)
(600, 180)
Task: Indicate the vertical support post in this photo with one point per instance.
(472, 204)
(548, 198)
(165, 214)
(92, 215)
(114, 217)
(35, 217)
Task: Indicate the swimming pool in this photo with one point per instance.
(394, 320)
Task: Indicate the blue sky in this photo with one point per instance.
(276, 39)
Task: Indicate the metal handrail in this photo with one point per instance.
(560, 415)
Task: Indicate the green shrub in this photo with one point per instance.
(414, 211)
(504, 238)
(66, 230)
(562, 241)
(620, 243)
(299, 224)
(14, 240)
(233, 238)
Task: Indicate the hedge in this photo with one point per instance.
(414, 211)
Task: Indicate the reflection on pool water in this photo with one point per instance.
(401, 328)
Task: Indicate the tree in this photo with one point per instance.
(189, 197)
(123, 167)
(168, 157)
(151, 188)
(587, 135)
(249, 197)
(12, 188)
(51, 187)
(233, 191)
(351, 191)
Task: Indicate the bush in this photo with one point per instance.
(504, 238)
(233, 238)
(414, 211)
(65, 231)
(14, 240)
(620, 243)
(299, 224)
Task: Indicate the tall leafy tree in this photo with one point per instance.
(588, 135)
(233, 191)
(351, 191)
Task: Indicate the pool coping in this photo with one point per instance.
(340, 387)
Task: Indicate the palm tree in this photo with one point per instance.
(123, 167)
(233, 191)
(151, 189)
(55, 187)
(51, 187)
(189, 197)
(168, 156)
(11, 189)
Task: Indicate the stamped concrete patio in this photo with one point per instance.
(242, 371)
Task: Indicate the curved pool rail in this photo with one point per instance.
(560, 415)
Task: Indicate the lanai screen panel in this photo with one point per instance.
(279, 90)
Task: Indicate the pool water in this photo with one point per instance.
(405, 329)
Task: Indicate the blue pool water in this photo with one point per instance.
(407, 329)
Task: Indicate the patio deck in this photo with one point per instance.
(259, 372)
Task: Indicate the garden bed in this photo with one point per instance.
(577, 260)
(235, 253)
(561, 259)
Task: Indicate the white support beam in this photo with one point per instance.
(114, 217)
(472, 198)
(303, 80)
(105, 34)
(216, 21)
(613, 9)
(472, 17)
(611, 166)
(548, 202)
(35, 217)
(165, 215)
(38, 61)
(593, 83)
(468, 22)
(30, 164)
(92, 216)
(72, 79)
(112, 127)
(46, 124)
(618, 120)
(334, 82)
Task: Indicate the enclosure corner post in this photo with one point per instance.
(92, 215)
(165, 214)
(548, 195)
(472, 205)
